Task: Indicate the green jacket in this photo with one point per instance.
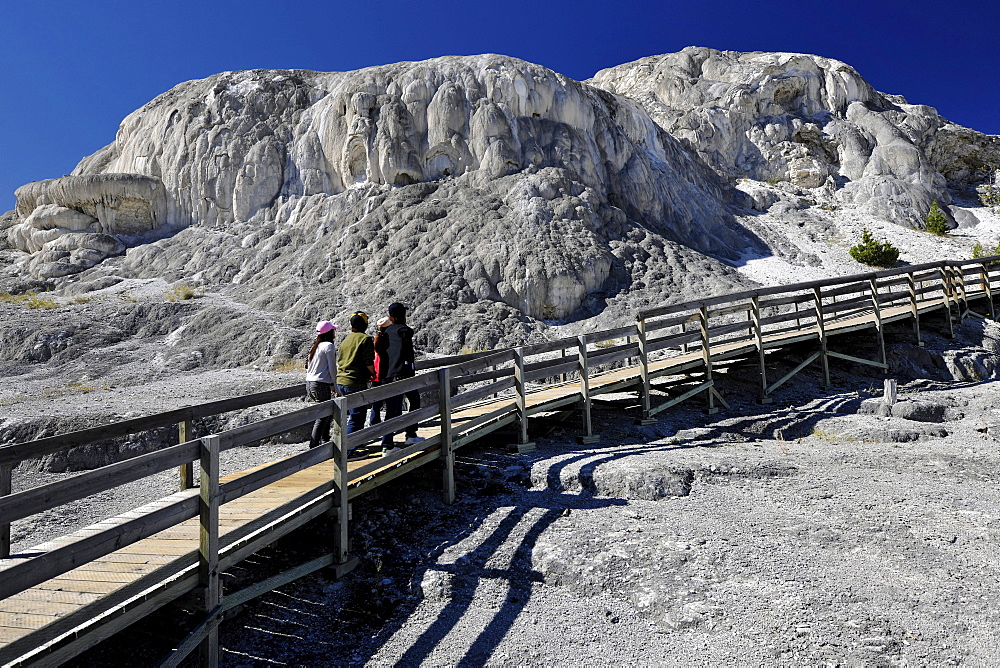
(354, 355)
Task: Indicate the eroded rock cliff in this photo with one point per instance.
(490, 194)
(810, 120)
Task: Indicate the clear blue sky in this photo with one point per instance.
(71, 71)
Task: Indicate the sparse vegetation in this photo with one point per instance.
(72, 388)
(13, 399)
(182, 292)
(873, 252)
(289, 364)
(128, 297)
(33, 300)
(469, 350)
(935, 222)
(979, 251)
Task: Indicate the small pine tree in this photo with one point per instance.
(873, 252)
(935, 222)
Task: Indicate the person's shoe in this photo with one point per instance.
(389, 451)
(413, 439)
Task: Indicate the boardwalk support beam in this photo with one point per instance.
(208, 549)
(647, 416)
(877, 314)
(520, 386)
(588, 425)
(706, 353)
(186, 471)
(5, 489)
(914, 310)
(758, 335)
(340, 508)
(821, 332)
(984, 276)
(447, 446)
(947, 292)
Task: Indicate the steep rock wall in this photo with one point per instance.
(811, 120)
(574, 167)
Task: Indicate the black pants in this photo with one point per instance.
(394, 408)
(320, 392)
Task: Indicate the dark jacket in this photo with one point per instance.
(396, 353)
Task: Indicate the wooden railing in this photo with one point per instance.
(692, 338)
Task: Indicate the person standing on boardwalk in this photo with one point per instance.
(397, 363)
(355, 367)
(321, 372)
(375, 416)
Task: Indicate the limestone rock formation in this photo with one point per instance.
(72, 223)
(494, 196)
(806, 119)
(535, 190)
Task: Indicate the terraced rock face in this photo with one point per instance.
(810, 120)
(487, 177)
(493, 196)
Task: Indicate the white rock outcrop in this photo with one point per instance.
(72, 223)
(806, 119)
(484, 184)
(571, 172)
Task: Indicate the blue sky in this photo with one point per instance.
(71, 71)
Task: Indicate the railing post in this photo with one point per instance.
(758, 333)
(565, 376)
(963, 299)
(644, 392)
(447, 449)
(520, 386)
(821, 331)
(340, 509)
(6, 487)
(706, 354)
(588, 425)
(186, 471)
(984, 276)
(208, 547)
(877, 313)
(914, 310)
(946, 290)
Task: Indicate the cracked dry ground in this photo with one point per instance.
(701, 540)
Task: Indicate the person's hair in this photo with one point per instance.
(398, 319)
(327, 336)
(359, 322)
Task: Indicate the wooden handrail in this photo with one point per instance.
(18, 452)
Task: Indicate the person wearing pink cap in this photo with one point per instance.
(321, 376)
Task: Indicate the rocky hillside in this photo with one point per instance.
(496, 197)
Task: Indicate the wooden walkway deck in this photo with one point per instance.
(100, 587)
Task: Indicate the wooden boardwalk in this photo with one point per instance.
(61, 597)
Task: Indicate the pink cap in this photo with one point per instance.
(324, 326)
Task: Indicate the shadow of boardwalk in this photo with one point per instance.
(519, 576)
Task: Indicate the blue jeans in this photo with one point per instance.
(394, 408)
(356, 415)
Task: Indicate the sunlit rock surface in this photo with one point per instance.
(806, 119)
